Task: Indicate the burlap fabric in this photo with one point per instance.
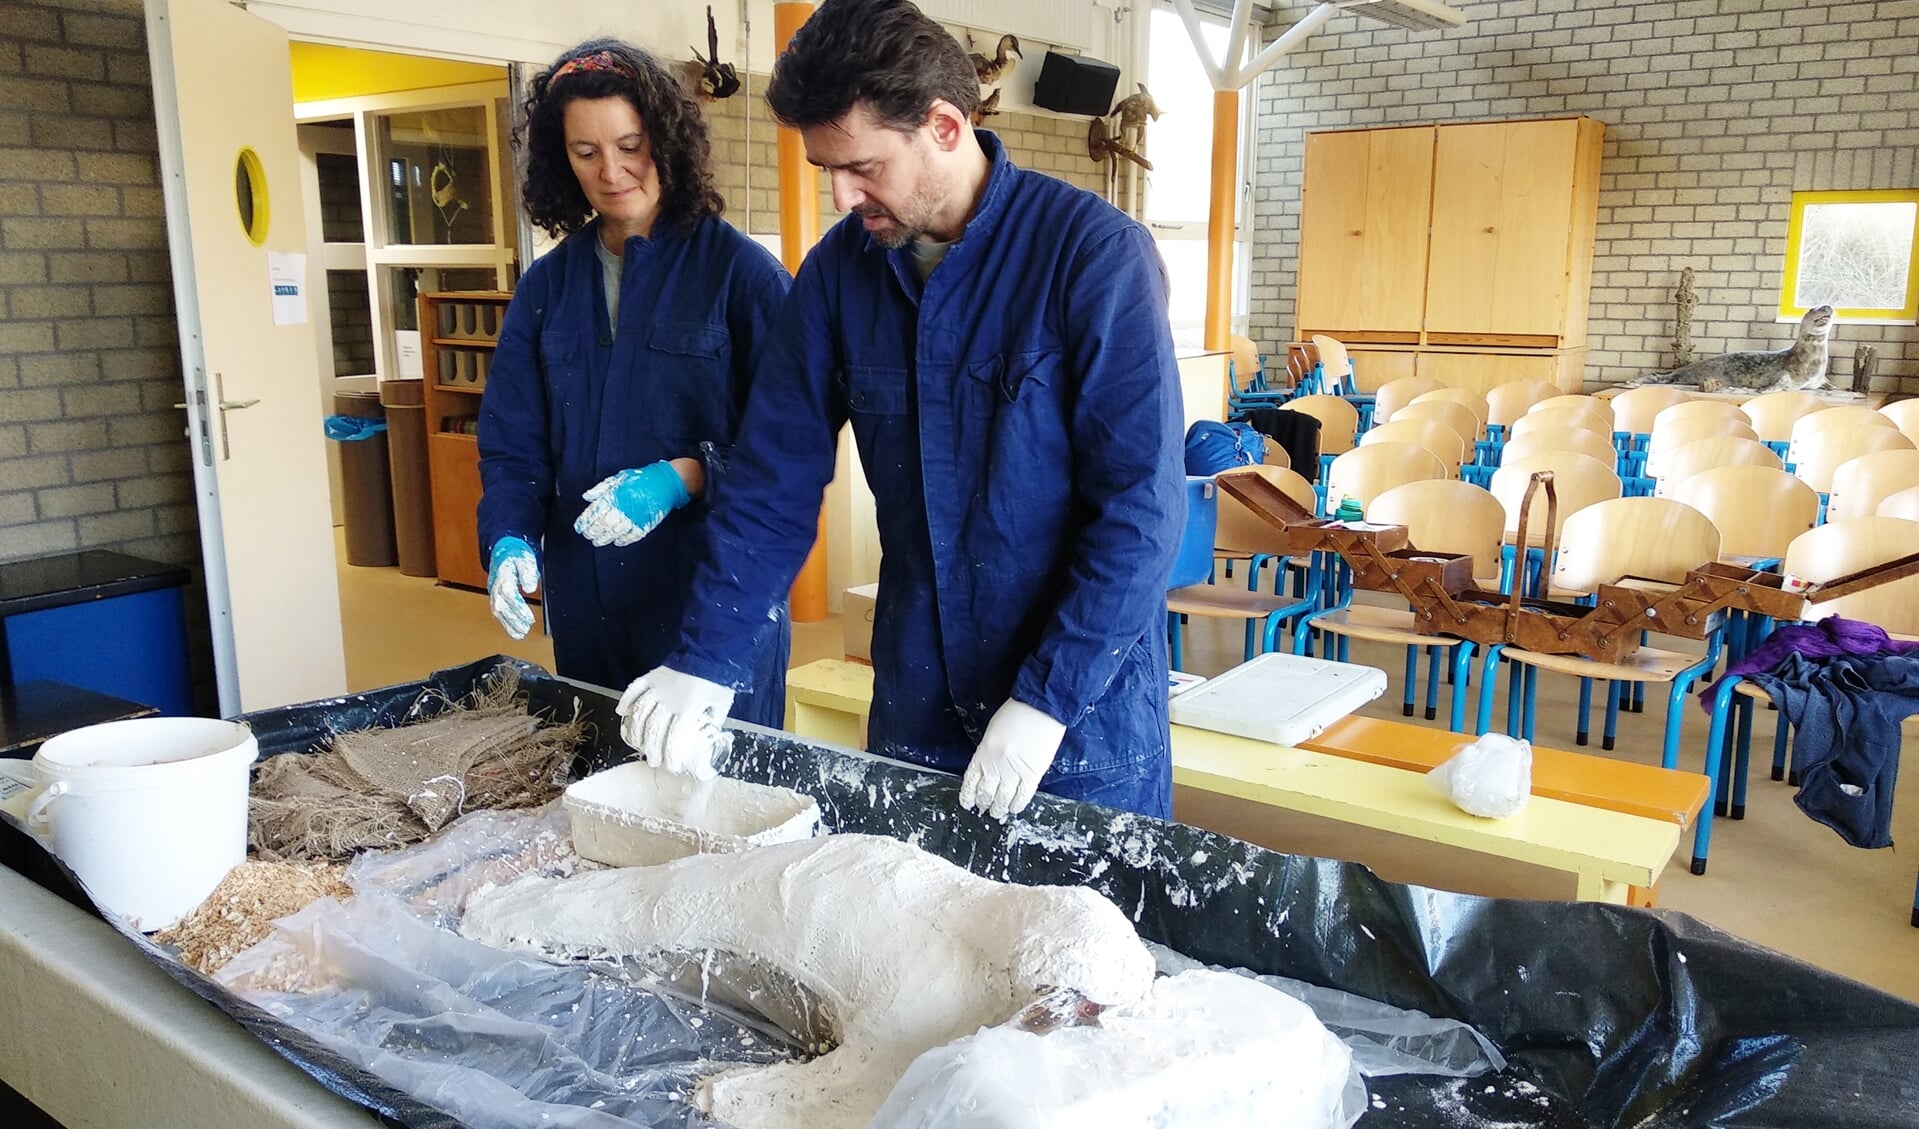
(380, 788)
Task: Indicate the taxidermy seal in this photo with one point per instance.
(1801, 366)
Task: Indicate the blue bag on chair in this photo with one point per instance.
(1212, 447)
(1194, 564)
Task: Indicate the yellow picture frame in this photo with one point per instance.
(1791, 308)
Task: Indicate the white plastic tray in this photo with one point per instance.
(1280, 698)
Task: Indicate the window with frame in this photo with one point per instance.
(1178, 189)
(1855, 251)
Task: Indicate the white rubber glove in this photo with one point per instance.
(629, 504)
(675, 721)
(512, 574)
(1016, 750)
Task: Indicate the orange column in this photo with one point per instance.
(799, 230)
(1219, 220)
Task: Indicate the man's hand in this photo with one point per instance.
(1016, 750)
(629, 504)
(674, 720)
(512, 574)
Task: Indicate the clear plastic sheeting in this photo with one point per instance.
(498, 1041)
(1647, 1019)
(1384, 1040)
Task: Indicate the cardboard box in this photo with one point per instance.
(856, 621)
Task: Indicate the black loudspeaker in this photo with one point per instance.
(1075, 84)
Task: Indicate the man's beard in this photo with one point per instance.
(920, 208)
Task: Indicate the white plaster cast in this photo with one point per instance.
(905, 950)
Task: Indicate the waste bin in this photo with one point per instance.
(97, 620)
(405, 403)
(359, 425)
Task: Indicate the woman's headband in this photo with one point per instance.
(597, 61)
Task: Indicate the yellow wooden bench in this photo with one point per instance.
(1580, 778)
(1613, 837)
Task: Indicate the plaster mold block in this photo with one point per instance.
(638, 815)
(905, 952)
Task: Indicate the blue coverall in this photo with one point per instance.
(1018, 417)
(567, 403)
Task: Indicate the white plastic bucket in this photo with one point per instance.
(150, 813)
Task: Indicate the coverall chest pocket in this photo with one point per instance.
(1015, 438)
(687, 382)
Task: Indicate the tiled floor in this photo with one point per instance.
(1776, 878)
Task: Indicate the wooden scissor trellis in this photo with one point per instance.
(1445, 601)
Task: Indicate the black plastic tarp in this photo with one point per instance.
(1608, 1015)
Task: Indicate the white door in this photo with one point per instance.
(223, 99)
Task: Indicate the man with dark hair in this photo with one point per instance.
(999, 341)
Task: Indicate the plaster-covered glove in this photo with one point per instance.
(514, 572)
(627, 505)
(1016, 750)
(674, 720)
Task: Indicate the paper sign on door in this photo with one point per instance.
(286, 274)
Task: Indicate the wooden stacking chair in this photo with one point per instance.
(1651, 539)
(1364, 473)
(1670, 432)
(1441, 440)
(1396, 394)
(1817, 455)
(1773, 414)
(1456, 416)
(1466, 398)
(1827, 552)
(1860, 484)
(1507, 402)
(1440, 517)
(1592, 444)
(1575, 400)
(1688, 459)
(1904, 415)
(1634, 409)
(1904, 504)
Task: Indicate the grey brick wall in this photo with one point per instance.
(1716, 111)
(91, 454)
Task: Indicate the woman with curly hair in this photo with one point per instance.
(621, 374)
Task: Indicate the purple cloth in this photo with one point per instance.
(1822, 640)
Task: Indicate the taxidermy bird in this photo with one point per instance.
(1133, 110)
(989, 70)
(988, 107)
(1101, 145)
(717, 79)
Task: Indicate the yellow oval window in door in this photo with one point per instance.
(250, 194)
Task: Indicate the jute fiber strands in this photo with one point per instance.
(380, 788)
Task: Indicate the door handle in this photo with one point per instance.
(226, 405)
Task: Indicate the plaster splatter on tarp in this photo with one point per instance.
(385, 787)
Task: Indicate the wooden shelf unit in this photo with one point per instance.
(458, 331)
(1462, 252)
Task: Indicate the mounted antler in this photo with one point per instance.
(1101, 145)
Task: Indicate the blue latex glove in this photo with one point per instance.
(513, 573)
(627, 505)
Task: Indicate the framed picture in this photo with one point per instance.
(1855, 251)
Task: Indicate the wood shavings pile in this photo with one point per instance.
(242, 908)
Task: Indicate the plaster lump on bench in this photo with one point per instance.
(905, 950)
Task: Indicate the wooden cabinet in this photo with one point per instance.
(1362, 234)
(458, 331)
(1476, 236)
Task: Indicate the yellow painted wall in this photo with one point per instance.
(322, 72)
